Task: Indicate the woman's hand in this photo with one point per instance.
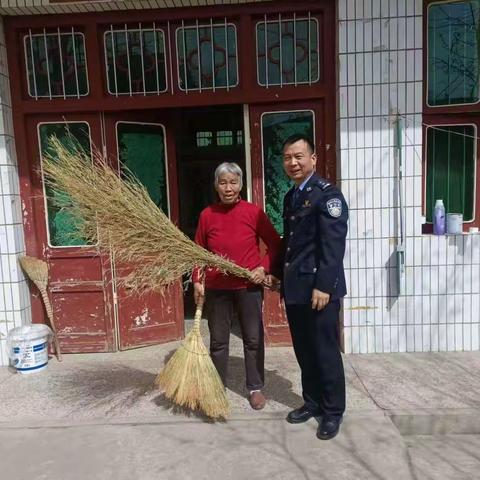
(198, 292)
(258, 275)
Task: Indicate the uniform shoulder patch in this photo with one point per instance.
(334, 207)
(323, 184)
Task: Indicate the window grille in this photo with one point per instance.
(450, 169)
(288, 51)
(56, 64)
(135, 61)
(207, 56)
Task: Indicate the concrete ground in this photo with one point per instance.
(97, 416)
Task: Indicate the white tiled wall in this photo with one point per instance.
(14, 297)
(380, 61)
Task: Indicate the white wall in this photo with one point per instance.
(14, 297)
(380, 73)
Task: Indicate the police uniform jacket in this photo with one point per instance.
(315, 230)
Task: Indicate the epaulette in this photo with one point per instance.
(323, 184)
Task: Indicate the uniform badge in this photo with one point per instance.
(307, 203)
(309, 189)
(334, 207)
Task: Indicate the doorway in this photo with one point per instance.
(205, 137)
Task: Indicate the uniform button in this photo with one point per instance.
(314, 270)
(292, 217)
(287, 264)
(288, 249)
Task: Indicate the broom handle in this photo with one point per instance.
(48, 308)
(198, 314)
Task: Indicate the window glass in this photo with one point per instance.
(453, 53)
(451, 169)
(141, 149)
(276, 128)
(288, 53)
(56, 65)
(63, 227)
(135, 61)
(207, 57)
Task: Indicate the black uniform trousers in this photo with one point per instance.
(315, 341)
(221, 306)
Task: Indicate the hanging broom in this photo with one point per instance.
(118, 216)
(37, 271)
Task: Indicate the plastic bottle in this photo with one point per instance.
(439, 218)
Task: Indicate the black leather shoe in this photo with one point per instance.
(300, 415)
(328, 428)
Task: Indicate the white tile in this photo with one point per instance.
(367, 9)
(467, 337)
(410, 332)
(410, 7)
(459, 337)
(393, 33)
(426, 338)
(378, 332)
(376, 34)
(355, 339)
(347, 335)
(342, 10)
(359, 35)
(401, 8)
(410, 98)
(351, 37)
(475, 337)
(343, 102)
(376, 8)
(386, 339)
(418, 32)
(451, 337)
(343, 68)
(402, 31)
(351, 9)
(442, 338)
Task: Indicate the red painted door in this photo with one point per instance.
(271, 125)
(143, 142)
(79, 278)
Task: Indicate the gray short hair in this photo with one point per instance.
(228, 167)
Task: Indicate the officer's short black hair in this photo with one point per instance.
(296, 137)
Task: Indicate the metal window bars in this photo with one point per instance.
(205, 54)
(135, 60)
(279, 42)
(55, 64)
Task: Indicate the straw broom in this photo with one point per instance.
(118, 216)
(37, 271)
(190, 378)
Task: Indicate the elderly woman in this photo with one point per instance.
(233, 228)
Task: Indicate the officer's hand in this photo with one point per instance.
(258, 275)
(319, 299)
(198, 292)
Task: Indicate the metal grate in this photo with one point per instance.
(207, 56)
(135, 60)
(288, 51)
(56, 64)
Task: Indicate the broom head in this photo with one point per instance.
(36, 270)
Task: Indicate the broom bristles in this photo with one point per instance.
(36, 270)
(118, 216)
(190, 378)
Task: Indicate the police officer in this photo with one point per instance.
(313, 281)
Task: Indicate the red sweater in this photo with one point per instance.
(234, 232)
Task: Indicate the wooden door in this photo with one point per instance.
(143, 142)
(271, 125)
(79, 283)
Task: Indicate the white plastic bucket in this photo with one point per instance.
(28, 347)
(454, 223)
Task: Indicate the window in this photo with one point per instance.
(224, 138)
(62, 226)
(288, 51)
(450, 169)
(56, 64)
(141, 150)
(204, 139)
(453, 53)
(135, 61)
(276, 127)
(207, 56)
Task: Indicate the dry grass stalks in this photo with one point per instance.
(118, 215)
